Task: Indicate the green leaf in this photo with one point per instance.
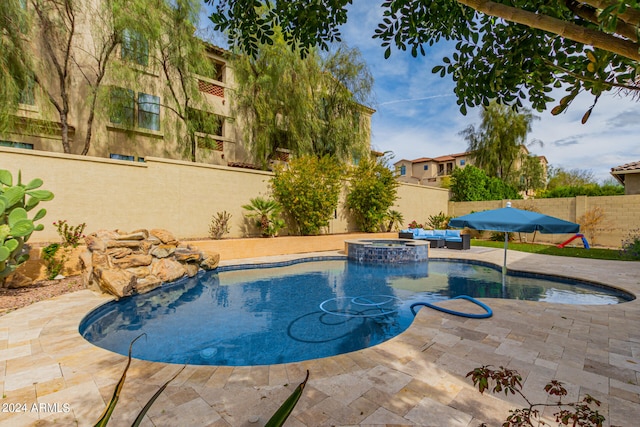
(42, 195)
(13, 195)
(2, 205)
(6, 178)
(41, 213)
(281, 415)
(387, 53)
(16, 215)
(11, 244)
(34, 184)
(4, 253)
(104, 418)
(146, 408)
(22, 228)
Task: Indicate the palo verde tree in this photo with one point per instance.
(507, 50)
(496, 145)
(309, 106)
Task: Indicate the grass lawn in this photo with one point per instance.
(594, 253)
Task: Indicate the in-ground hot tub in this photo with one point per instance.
(387, 251)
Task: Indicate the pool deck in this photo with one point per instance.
(49, 375)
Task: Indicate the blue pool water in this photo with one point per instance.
(304, 311)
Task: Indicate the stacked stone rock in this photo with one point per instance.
(123, 264)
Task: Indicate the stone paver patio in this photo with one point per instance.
(49, 375)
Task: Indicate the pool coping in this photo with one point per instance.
(416, 378)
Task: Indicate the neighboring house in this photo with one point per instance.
(435, 171)
(430, 171)
(133, 118)
(629, 176)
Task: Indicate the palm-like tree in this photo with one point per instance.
(267, 215)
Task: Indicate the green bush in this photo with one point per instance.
(631, 246)
(308, 192)
(471, 184)
(583, 190)
(372, 191)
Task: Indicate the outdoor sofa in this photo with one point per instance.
(452, 239)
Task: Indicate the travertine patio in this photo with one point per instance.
(417, 378)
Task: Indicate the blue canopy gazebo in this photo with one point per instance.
(514, 220)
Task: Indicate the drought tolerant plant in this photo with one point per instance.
(394, 219)
(15, 225)
(631, 246)
(219, 225)
(70, 236)
(308, 191)
(267, 215)
(509, 381)
(372, 191)
(414, 224)
(439, 221)
(591, 222)
(276, 420)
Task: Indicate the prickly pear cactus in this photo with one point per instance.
(16, 201)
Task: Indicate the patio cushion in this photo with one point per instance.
(452, 236)
(439, 234)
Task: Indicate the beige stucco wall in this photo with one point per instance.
(632, 183)
(621, 215)
(179, 196)
(182, 197)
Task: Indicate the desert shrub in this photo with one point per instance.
(372, 191)
(631, 246)
(308, 192)
(219, 225)
(591, 222)
(439, 221)
(498, 236)
(56, 255)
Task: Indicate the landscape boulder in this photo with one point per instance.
(124, 263)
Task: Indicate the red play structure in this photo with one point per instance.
(584, 241)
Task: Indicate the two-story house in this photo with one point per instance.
(430, 171)
(136, 114)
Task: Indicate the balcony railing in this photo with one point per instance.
(211, 88)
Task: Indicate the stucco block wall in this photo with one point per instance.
(418, 202)
(622, 215)
(179, 196)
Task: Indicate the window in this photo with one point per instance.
(121, 157)
(135, 47)
(148, 111)
(403, 170)
(449, 168)
(14, 144)
(122, 106)
(426, 167)
(462, 162)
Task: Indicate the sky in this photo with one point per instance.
(417, 115)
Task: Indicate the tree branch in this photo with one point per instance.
(565, 29)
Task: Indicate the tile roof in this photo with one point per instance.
(626, 168)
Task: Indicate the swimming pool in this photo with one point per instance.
(304, 311)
